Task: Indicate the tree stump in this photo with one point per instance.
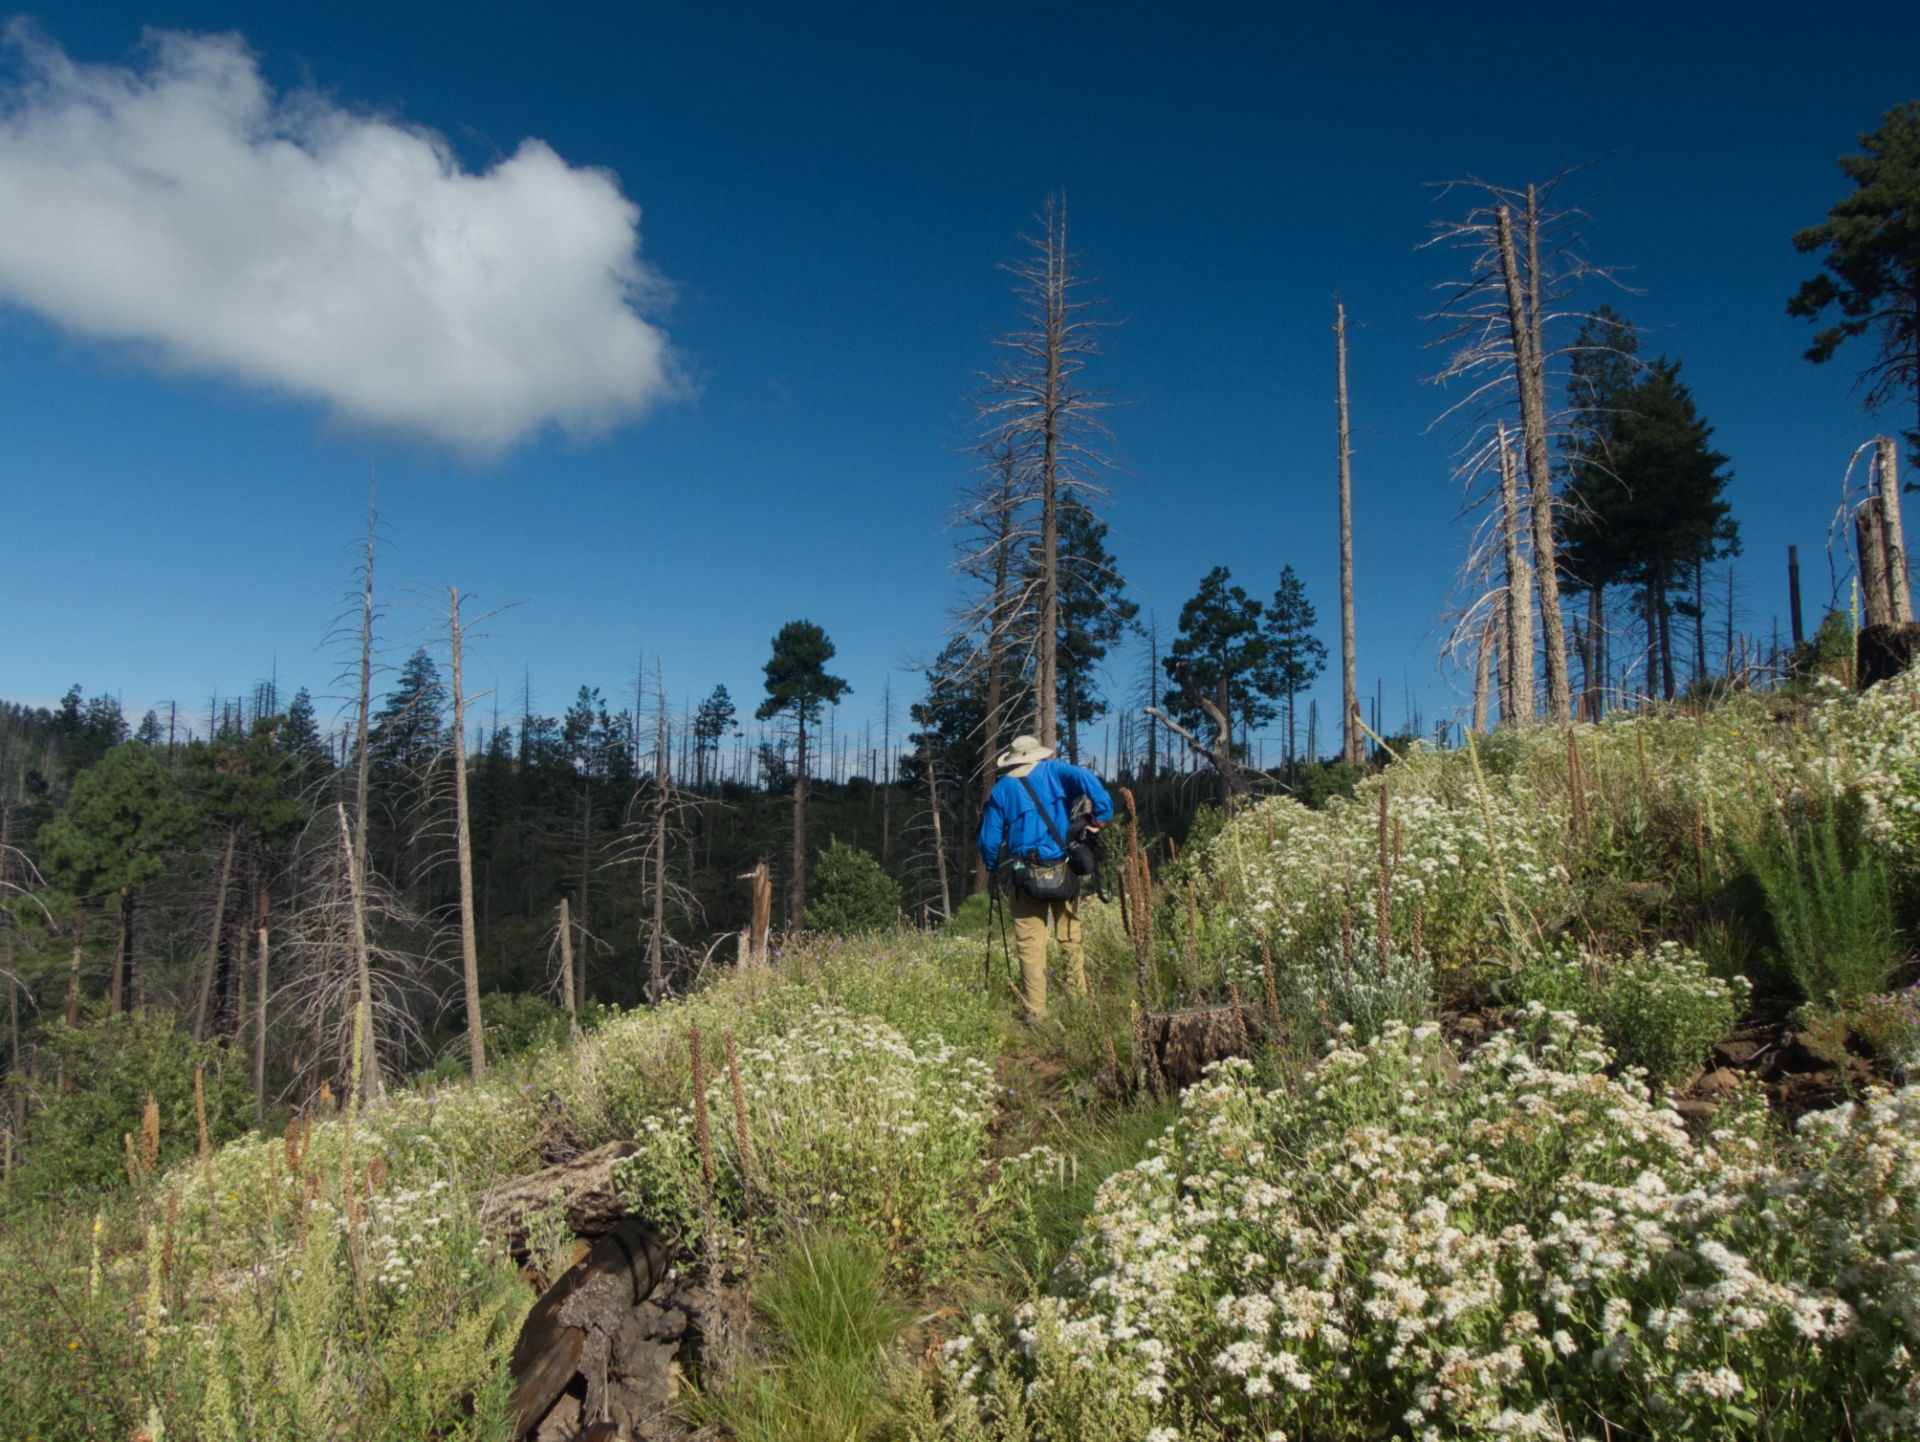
(1185, 1042)
(583, 1186)
(1883, 652)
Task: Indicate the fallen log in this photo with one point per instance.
(583, 1186)
(571, 1327)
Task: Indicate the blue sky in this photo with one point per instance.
(825, 193)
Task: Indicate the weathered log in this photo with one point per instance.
(1186, 1042)
(577, 1314)
(1883, 652)
(583, 1186)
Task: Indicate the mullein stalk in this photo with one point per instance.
(742, 1141)
(704, 1132)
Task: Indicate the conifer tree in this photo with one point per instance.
(1295, 656)
(113, 835)
(797, 687)
(1869, 246)
(1657, 510)
(1221, 653)
(1094, 613)
(712, 723)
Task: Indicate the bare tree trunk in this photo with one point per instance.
(1899, 584)
(886, 789)
(1502, 667)
(568, 997)
(1051, 419)
(213, 942)
(656, 963)
(797, 893)
(117, 985)
(1666, 644)
(1518, 652)
(762, 922)
(357, 848)
(1349, 684)
(1523, 320)
(939, 847)
(368, 1083)
(1874, 601)
(74, 958)
(260, 995)
(463, 847)
(1596, 628)
(1700, 619)
(1480, 678)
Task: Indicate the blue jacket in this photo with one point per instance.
(1011, 827)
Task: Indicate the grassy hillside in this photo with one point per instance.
(1575, 1106)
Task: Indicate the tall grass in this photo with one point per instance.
(830, 1371)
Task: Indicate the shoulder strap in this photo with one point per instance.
(1053, 830)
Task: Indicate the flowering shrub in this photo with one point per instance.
(1513, 1245)
(1482, 855)
(1660, 1010)
(848, 1126)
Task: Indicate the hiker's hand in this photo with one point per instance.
(1093, 827)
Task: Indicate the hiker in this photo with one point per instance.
(1029, 837)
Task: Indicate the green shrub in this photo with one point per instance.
(116, 1062)
(831, 1327)
(1660, 1010)
(848, 892)
(1320, 781)
(1831, 907)
(515, 1022)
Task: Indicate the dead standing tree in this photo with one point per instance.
(1350, 697)
(351, 948)
(1035, 402)
(997, 524)
(1524, 258)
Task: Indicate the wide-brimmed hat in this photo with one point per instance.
(1024, 754)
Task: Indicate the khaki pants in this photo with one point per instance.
(1030, 927)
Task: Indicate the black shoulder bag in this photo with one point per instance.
(1046, 880)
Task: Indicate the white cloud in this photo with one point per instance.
(284, 241)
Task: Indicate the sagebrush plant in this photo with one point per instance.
(1354, 990)
(853, 1128)
(1661, 1010)
(1512, 1244)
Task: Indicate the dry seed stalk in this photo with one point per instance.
(206, 1146)
(742, 1140)
(1266, 965)
(1239, 1015)
(166, 1253)
(1346, 945)
(705, 1134)
(150, 1133)
(1576, 790)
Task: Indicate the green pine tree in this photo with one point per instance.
(1869, 245)
(797, 687)
(1295, 656)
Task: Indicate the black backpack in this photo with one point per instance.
(1052, 880)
